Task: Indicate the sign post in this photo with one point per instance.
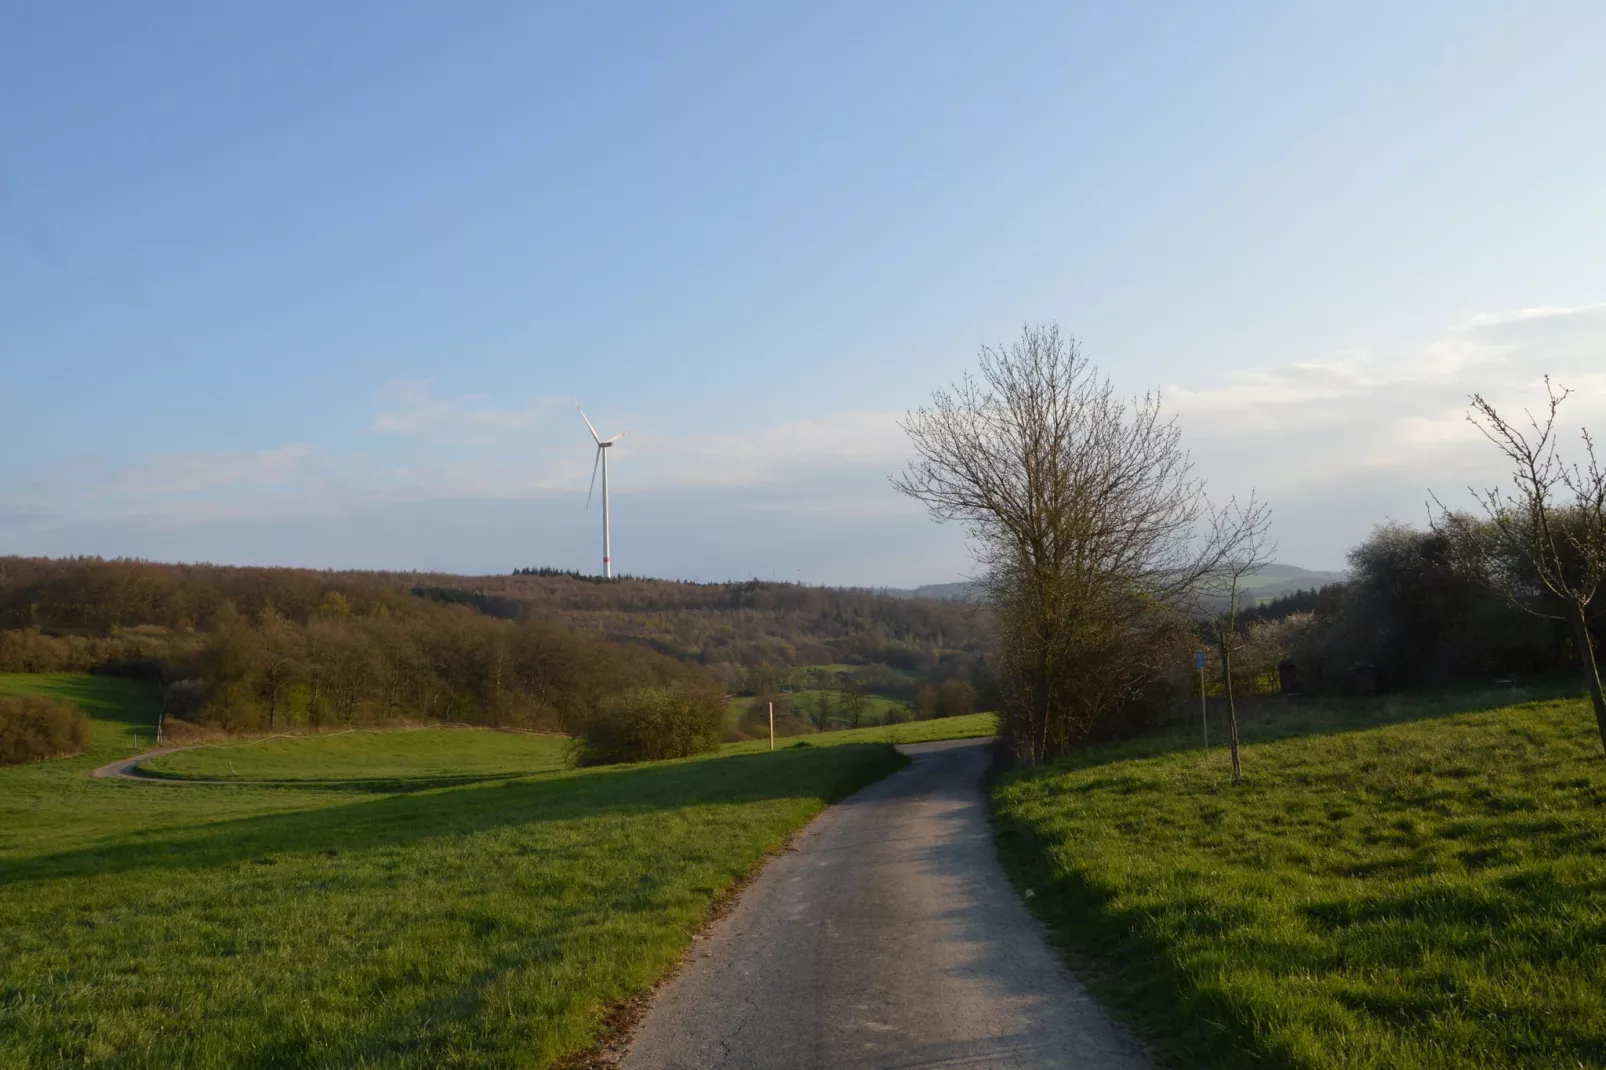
(1204, 706)
(772, 726)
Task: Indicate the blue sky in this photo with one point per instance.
(315, 284)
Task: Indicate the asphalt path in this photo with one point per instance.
(128, 769)
(888, 938)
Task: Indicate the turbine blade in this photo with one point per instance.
(614, 439)
(593, 430)
(593, 476)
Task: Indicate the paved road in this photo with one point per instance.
(889, 938)
(124, 768)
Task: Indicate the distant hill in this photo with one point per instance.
(1274, 581)
(963, 591)
(1271, 582)
(727, 628)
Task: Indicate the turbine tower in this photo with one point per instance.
(602, 460)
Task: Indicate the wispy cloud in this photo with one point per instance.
(781, 452)
(415, 407)
(1337, 443)
(188, 473)
(1363, 412)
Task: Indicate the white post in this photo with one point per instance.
(607, 545)
(772, 726)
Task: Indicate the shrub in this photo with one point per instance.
(956, 698)
(755, 722)
(649, 724)
(184, 699)
(36, 727)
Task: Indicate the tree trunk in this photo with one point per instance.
(1232, 709)
(1586, 661)
(1040, 704)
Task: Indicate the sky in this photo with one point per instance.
(313, 284)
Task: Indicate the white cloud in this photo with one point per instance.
(1394, 422)
(188, 473)
(782, 452)
(1365, 405)
(1337, 444)
(413, 407)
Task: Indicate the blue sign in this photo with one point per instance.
(1198, 659)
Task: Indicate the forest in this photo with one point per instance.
(1413, 614)
(276, 649)
(265, 649)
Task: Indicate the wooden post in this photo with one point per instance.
(1204, 703)
(772, 726)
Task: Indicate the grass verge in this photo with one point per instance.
(1424, 894)
(151, 925)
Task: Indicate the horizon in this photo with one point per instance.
(316, 288)
(1323, 576)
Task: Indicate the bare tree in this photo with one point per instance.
(852, 702)
(1084, 513)
(821, 707)
(1541, 543)
(279, 657)
(1249, 552)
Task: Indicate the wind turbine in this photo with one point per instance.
(602, 460)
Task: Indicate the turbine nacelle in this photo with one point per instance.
(602, 444)
(598, 439)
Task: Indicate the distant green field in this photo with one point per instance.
(195, 925)
(973, 726)
(1381, 891)
(803, 675)
(876, 707)
(426, 753)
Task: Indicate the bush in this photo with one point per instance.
(951, 698)
(956, 698)
(755, 722)
(36, 727)
(649, 724)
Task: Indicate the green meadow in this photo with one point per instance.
(372, 923)
(876, 707)
(970, 726)
(439, 756)
(1394, 885)
(435, 753)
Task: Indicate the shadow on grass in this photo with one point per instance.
(357, 786)
(1269, 718)
(131, 703)
(395, 820)
(1124, 953)
(1126, 964)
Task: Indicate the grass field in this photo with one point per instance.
(803, 675)
(425, 754)
(1394, 885)
(445, 754)
(488, 925)
(972, 726)
(876, 707)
